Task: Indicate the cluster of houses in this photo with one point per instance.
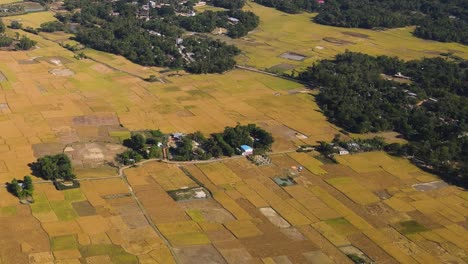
(245, 150)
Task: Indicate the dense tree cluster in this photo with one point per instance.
(54, 167)
(291, 6)
(22, 189)
(152, 36)
(226, 143)
(431, 110)
(142, 145)
(229, 4)
(209, 20)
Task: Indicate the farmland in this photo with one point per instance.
(280, 32)
(371, 204)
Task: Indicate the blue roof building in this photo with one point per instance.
(246, 150)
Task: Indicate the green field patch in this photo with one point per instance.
(188, 239)
(41, 204)
(196, 215)
(8, 211)
(410, 227)
(63, 242)
(342, 226)
(63, 210)
(73, 195)
(117, 254)
(121, 135)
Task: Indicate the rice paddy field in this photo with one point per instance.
(373, 205)
(281, 33)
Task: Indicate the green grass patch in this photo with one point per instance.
(63, 242)
(410, 227)
(196, 215)
(117, 254)
(8, 211)
(63, 210)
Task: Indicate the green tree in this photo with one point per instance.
(28, 187)
(16, 25)
(5, 41)
(2, 27)
(14, 188)
(129, 157)
(25, 43)
(53, 167)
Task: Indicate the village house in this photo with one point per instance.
(401, 76)
(233, 20)
(246, 150)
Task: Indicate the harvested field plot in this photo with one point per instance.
(293, 56)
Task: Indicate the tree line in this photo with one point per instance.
(195, 146)
(430, 110)
(226, 143)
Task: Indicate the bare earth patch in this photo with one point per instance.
(62, 72)
(293, 56)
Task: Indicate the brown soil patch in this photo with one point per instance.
(84, 208)
(293, 56)
(338, 41)
(211, 210)
(54, 60)
(43, 149)
(96, 120)
(93, 154)
(132, 215)
(93, 224)
(371, 249)
(199, 254)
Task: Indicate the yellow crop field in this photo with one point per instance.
(313, 165)
(243, 229)
(219, 174)
(33, 20)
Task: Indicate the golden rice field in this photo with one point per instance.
(368, 202)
